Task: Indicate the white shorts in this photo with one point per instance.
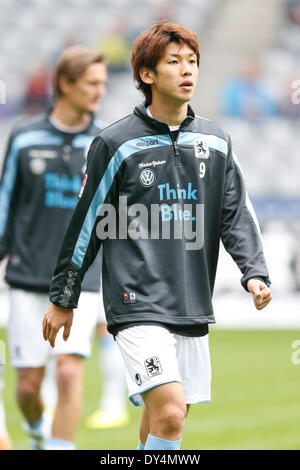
(101, 312)
(153, 356)
(25, 333)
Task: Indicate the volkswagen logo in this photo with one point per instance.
(147, 177)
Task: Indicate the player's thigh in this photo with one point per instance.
(25, 336)
(83, 327)
(195, 367)
(149, 355)
(168, 394)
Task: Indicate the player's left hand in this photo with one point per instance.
(261, 293)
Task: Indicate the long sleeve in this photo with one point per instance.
(240, 232)
(81, 243)
(8, 190)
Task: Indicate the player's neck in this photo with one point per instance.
(70, 116)
(171, 113)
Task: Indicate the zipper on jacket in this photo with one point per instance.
(176, 150)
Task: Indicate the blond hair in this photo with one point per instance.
(72, 64)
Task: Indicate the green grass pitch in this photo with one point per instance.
(255, 398)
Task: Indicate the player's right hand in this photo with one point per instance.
(54, 319)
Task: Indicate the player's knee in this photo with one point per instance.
(68, 375)
(171, 418)
(27, 390)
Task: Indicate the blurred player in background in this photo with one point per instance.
(42, 176)
(5, 443)
(112, 410)
(158, 289)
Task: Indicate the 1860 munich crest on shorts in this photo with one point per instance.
(153, 366)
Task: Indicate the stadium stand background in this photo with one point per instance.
(34, 32)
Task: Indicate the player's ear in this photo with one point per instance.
(147, 75)
(64, 85)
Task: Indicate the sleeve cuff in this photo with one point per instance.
(65, 289)
(266, 280)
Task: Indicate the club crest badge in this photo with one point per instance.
(201, 148)
(147, 177)
(153, 366)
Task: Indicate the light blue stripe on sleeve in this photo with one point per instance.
(214, 142)
(125, 151)
(26, 139)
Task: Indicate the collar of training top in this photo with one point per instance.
(141, 112)
(82, 131)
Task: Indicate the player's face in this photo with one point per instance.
(87, 90)
(176, 74)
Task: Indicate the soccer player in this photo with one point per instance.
(163, 187)
(43, 171)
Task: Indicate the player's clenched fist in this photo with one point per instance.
(261, 293)
(54, 319)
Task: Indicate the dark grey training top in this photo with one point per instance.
(149, 277)
(41, 179)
